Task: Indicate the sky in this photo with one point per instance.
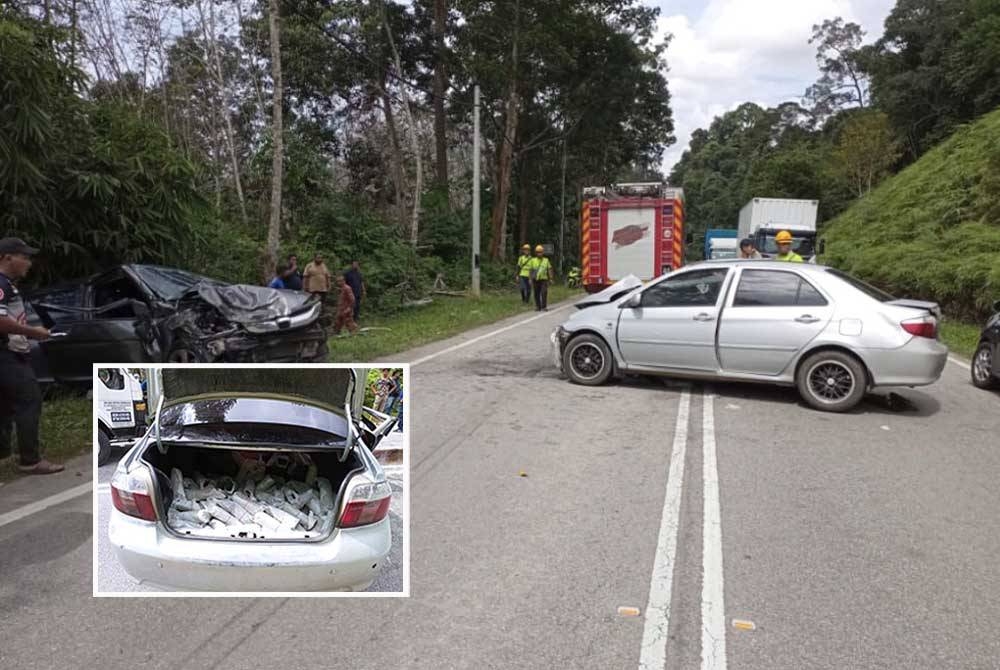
(727, 52)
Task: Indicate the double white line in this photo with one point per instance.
(653, 655)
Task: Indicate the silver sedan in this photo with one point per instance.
(809, 326)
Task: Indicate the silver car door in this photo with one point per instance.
(675, 322)
(771, 316)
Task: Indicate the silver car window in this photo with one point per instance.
(699, 288)
(775, 288)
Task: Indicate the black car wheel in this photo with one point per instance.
(103, 448)
(587, 360)
(982, 367)
(831, 381)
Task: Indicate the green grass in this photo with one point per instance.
(933, 230)
(445, 317)
(66, 431)
(961, 338)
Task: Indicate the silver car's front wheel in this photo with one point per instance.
(832, 381)
(982, 367)
(587, 360)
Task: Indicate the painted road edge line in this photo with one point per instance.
(713, 610)
(653, 653)
(44, 503)
(960, 363)
(485, 336)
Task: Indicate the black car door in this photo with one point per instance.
(62, 310)
(114, 329)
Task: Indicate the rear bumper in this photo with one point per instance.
(349, 561)
(917, 363)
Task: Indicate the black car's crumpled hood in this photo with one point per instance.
(242, 303)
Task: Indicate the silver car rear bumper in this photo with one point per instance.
(919, 362)
(349, 561)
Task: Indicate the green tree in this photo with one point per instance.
(843, 82)
(866, 151)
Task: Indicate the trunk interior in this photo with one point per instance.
(248, 495)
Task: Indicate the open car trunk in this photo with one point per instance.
(255, 454)
(233, 494)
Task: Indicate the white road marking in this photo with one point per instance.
(653, 654)
(45, 503)
(486, 336)
(713, 609)
(960, 363)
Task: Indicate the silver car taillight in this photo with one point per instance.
(366, 504)
(131, 495)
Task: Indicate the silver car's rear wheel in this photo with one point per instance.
(587, 360)
(982, 367)
(832, 381)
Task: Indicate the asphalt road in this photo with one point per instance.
(538, 508)
(112, 578)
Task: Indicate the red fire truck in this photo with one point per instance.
(635, 229)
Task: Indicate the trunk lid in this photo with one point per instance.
(261, 407)
(931, 307)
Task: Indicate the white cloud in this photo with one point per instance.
(734, 51)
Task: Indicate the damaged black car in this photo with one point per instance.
(148, 313)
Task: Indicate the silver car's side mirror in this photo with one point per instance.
(634, 301)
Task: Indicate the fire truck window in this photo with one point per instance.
(700, 288)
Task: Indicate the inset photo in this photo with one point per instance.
(251, 480)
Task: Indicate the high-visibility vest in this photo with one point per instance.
(791, 257)
(542, 268)
(524, 265)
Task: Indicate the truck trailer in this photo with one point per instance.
(630, 229)
(762, 219)
(720, 243)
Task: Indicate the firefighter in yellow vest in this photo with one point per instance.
(524, 273)
(785, 253)
(541, 275)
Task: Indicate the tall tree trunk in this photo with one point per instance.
(418, 185)
(222, 89)
(274, 226)
(72, 34)
(440, 84)
(505, 163)
(524, 201)
(396, 158)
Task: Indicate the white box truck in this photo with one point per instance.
(762, 219)
(122, 411)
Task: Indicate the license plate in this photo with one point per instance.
(121, 417)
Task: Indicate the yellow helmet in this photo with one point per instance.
(525, 247)
(783, 236)
(539, 249)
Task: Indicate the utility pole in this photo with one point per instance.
(562, 209)
(475, 194)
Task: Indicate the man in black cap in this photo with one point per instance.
(20, 395)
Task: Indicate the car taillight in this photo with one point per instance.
(366, 504)
(923, 327)
(130, 495)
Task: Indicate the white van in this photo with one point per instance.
(121, 411)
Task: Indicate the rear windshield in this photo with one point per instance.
(867, 289)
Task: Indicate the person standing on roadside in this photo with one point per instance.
(293, 277)
(316, 279)
(541, 275)
(381, 389)
(20, 394)
(396, 394)
(747, 249)
(524, 273)
(279, 277)
(345, 308)
(785, 253)
(356, 281)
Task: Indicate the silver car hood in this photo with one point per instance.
(619, 289)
